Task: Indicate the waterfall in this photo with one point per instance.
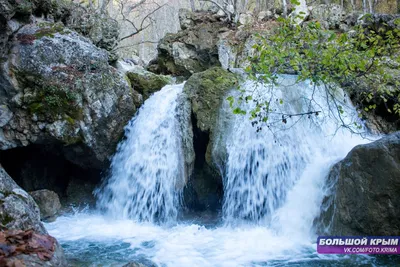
(274, 183)
(262, 168)
(148, 170)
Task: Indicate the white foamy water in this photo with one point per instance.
(148, 164)
(273, 190)
(98, 241)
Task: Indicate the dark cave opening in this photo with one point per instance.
(36, 167)
(204, 191)
(200, 143)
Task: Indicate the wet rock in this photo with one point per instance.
(363, 191)
(48, 202)
(186, 135)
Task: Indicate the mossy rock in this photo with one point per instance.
(146, 83)
(206, 91)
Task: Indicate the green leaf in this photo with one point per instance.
(230, 100)
(239, 111)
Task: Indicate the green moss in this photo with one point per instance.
(207, 90)
(6, 219)
(35, 107)
(53, 100)
(147, 83)
(127, 80)
(49, 29)
(69, 120)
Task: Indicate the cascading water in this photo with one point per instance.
(273, 182)
(148, 167)
(263, 166)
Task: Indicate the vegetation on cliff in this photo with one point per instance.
(364, 61)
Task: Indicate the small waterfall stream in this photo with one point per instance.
(273, 184)
(148, 165)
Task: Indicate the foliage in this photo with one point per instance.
(357, 59)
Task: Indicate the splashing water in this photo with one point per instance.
(147, 169)
(273, 190)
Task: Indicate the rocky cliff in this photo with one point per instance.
(58, 87)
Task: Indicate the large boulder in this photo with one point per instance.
(363, 191)
(48, 202)
(18, 211)
(100, 28)
(191, 50)
(146, 82)
(57, 87)
(206, 91)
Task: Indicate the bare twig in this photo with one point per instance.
(144, 24)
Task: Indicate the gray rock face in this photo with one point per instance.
(363, 191)
(19, 211)
(191, 50)
(23, 9)
(102, 30)
(380, 21)
(48, 202)
(231, 55)
(59, 88)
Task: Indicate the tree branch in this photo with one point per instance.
(142, 27)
